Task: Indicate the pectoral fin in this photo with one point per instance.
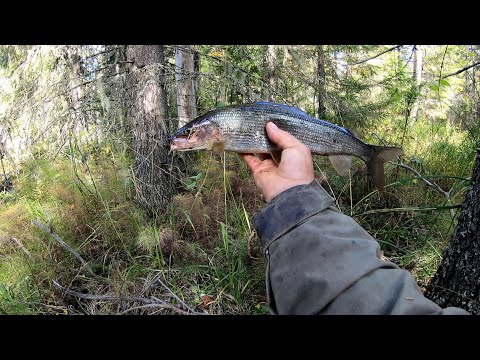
(341, 163)
(218, 148)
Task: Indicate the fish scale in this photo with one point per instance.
(244, 129)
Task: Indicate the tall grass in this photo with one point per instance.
(90, 206)
(199, 247)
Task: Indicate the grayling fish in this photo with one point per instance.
(241, 129)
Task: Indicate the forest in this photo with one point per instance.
(98, 216)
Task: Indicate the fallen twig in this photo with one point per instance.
(65, 245)
(24, 249)
(429, 183)
(152, 300)
(141, 307)
(186, 307)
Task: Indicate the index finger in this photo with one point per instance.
(251, 160)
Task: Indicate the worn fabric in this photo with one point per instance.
(321, 261)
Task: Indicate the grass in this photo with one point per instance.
(92, 208)
(199, 247)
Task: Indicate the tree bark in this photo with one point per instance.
(271, 59)
(474, 92)
(76, 100)
(321, 81)
(417, 76)
(122, 113)
(186, 83)
(154, 183)
(457, 281)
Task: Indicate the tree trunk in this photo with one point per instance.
(417, 76)
(154, 183)
(186, 79)
(270, 59)
(76, 100)
(321, 81)
(474, 92)
(122, 112)
(457, 281)
(196, 71)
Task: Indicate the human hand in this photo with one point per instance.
(295, 168)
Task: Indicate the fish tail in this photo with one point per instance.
(380, 155)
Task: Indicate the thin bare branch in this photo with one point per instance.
(429, 183)
(142, 307)
(441, 67)
(440, 77)
(64, 244)
(461, 70)
(432, 184)
(20, 245)
(152, 300)
(157, 279)
(376, 56)
(247, 73)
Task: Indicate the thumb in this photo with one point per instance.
(280, 137)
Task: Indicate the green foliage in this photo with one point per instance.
(192, 181)
(16, 290)
(72, 164)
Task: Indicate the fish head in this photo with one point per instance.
(196, 135)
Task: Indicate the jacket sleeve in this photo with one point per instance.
(321, 261)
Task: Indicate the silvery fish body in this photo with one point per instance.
(241, 128)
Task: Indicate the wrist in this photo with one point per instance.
(287, 190)
(289, 208)
(269, 197)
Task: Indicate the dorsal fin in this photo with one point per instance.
(354, 133)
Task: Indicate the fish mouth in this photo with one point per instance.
(197, 138)
(180, 144)
(183, 144)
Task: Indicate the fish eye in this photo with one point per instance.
(189, 131)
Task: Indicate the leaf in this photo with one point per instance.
(3, 291)
(196, 177)
(444, 82)
(220, 104)
(396, 96)
(434, 87)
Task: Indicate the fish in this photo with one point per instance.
(241, 129)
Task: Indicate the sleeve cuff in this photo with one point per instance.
(288, 209)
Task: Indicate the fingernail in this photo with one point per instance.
(273, 126)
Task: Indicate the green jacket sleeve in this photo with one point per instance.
(321, 261)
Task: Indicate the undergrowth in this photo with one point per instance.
(203, 248)
(198, 247)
